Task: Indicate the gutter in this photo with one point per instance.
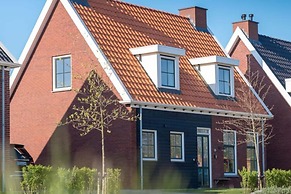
(195, 110)
(3, 129)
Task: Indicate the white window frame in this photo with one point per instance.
(235, 154)
(55, 89)
(183, 147)
(176, 71)
(155, 158)
(231, 77)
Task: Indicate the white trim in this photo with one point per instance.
(193, 110)
(183, 146)
(156, 145)
(104, 62)
(214, 59)
(13, 64)
(235, 154)
(209, 152)
(34, 36)
(162, 49)
(238, 34)
(54, 73)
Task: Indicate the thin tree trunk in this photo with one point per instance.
(103, 156)
(260, 186)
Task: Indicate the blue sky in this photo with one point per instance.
(17, 17)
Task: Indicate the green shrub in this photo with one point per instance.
(277, 190)
(36, 178)
(278, 178)
(42, 179)
(249, 179)
(113, 182)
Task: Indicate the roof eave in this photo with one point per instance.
(195, 110)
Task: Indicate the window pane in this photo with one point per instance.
(229, 151)
(171, 80)
(67, 80)
(164, 65)
(226, 75)
(148, 147)
(59, 66)
(164, 79)
(220, 72)
(171, 66)
(67, 64)
(59, 81)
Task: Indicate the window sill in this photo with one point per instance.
(231, 175)
(177, 160)
(150, 160)
(170, 90)
(61, 90)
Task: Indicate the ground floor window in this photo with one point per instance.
(251, 152)
(177, 146)
(149, 144)
(229, 152)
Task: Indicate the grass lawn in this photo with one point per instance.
(213, 191)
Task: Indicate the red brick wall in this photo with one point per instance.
(280, 144)
(36, 110)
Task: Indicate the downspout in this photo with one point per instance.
(140, 147)
(263, 148)
(3, 129)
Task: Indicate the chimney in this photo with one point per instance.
(197, 15)
(249, 27)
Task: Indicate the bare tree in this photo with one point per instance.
(97, 109)
(254, 129)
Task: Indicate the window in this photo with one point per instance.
(229, 154)
(168, 72)
(149, 145)
(177, 146)
(224, 81)
(62, 73)
(251, 152)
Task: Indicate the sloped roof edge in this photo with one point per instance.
(14, 62)
(239, 35)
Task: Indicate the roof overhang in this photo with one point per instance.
(195, 110)
(214, 59)
(158, 49)
(9, 65)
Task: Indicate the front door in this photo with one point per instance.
(203, 158)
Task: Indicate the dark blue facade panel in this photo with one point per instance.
(164, 173)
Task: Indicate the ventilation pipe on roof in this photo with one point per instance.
(197, 15)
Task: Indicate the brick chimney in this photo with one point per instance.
(249, 27)
(197, 15)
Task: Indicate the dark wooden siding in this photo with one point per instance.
(163, 173)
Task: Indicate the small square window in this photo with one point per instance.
(149, 145)
(62, 73)
(177, 146)
(168, 72)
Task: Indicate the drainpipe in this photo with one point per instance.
(140, 145)
(263, 148)
(3, 129)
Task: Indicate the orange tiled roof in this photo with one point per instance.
(119, 26)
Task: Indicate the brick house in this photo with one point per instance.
(163, 67)
(271, 58)
(7, 62)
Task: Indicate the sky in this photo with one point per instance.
(18, 17)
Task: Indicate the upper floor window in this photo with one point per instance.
(224, 81)
(161, 64)
(168, 71)
(177, 146)
(229, 152)
(251, 152)
(149, 145)
(62, 73)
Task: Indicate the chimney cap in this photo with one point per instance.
(192, 7)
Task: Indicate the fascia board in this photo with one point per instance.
(158, 49)
(32, 41)
(194, 110)
(214, 59)
(239, 35)
(96, 50)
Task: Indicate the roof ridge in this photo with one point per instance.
(141, 7)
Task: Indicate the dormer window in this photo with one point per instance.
(161, 64)
(218, 73)
(168, 71)
(224, 80)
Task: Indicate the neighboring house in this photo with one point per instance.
(167, 68)
(271, 57)
(7, 62)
